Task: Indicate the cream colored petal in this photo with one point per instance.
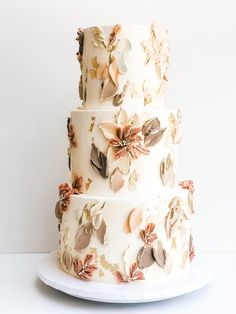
(114, 71)
(116, 180)
(96, 209)
(111, 157)
(109, 130)
(135, 120)
(124, 164)
(122, 117)
(109, 89)
(135, 218)
(96, 221)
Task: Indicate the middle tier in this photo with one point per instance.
(112, 153)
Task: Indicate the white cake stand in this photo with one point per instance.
(136, 292)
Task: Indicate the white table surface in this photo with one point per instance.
(22, 292)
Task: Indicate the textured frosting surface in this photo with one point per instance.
(124, 216)
(124, 58)
(120, 244)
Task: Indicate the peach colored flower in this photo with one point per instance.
(147, 234)
(134, 274)
(83, 268)
(187, 184)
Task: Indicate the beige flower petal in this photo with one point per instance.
(124, 164)
(96, 221)
(96, 208)
(109, 130)
(109, 89)
(135, 218)
(101, 231)
(135, 120)
(102, 71)
(116, 180)
(133, 179)
(114, 71)
(122, 117)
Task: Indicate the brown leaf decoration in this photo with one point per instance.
(58, 211)
(77, 185)
(116, 180)
(153, 138)
(80, 39)
(101, 232)
(150, 126)
(84, 269)
(83, 236)
(81, 90)
(119, 98)
(145, 257)
(98, 38)
(71, 134)
(99, 162)
(102, 71)
(159, 254)
(152, 132)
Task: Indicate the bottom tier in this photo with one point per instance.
(126, 239)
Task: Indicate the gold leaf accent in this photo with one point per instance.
(167, 172)
(135, 91)
(147, 95)
(116, 180)
(113, 268)
(87, 184)
(101, 273)
(175, 122)
(94, 252)
(94, 62)
(98, 38)
(133, 179)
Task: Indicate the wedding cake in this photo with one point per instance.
(124, 216)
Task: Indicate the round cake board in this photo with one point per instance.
(136, 292)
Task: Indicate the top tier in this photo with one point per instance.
(123, 65)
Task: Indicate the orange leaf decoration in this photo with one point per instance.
(84, 269)
(147, 234)
(187, 184)
(134, 274)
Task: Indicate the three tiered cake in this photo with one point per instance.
(124, 217)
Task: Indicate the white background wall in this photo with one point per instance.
(38, 87)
